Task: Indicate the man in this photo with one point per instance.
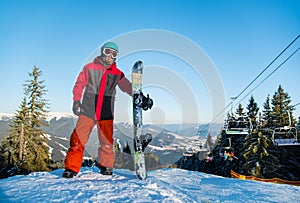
(97, 82)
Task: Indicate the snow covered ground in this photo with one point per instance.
(165, 185)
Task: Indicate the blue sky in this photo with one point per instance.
(239, 37)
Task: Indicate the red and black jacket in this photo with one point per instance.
(99, 86)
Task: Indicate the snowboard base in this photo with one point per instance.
(140, 165)
(139, 155)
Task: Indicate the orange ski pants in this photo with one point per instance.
(80, 137)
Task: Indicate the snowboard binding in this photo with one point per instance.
(142, 142)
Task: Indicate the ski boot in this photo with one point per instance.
(106, 170)
(69, 173)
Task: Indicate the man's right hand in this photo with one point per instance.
(76, 108)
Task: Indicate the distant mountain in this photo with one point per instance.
(169, 142)
(6, 116)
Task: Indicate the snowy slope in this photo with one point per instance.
(165, 185)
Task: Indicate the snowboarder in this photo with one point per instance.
(225, 155)
(96, 82)
(209, 157)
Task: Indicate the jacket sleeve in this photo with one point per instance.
(125, 85)
(80, 84)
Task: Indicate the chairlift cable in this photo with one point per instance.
(296, 105)
(205, 127)
(290, 56)
(268, 66)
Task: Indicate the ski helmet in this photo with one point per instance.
(110, 45)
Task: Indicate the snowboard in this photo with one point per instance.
(140, 141)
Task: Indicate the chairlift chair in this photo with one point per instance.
(285, 136)
(239, 126)
(226, 148)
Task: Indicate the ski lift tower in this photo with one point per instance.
(233, 114)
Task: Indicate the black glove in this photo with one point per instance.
(141, 101)
(147, 102)
(76, 108)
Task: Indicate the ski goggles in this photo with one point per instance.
(110, 52)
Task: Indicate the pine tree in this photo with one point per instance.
(37, 150)
(258, 152)
(25, 149)
(20, 129)
(240, 110)
(35, 91)
(281, 109)
(267, 118)
(13, 147)
(209, 143)
(253, 109)
(126, 148)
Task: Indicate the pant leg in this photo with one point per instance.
(105, 136)
(78, 140)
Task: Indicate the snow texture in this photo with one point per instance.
(164, 185)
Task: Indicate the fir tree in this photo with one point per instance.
(20, 129)
(37, 151)
(252, 108)
(35, 91)
(267, 118)
(25, 149)
(281, 109)
(13, 147)
(126, 148)
(260, 159)
(209, 143)
(240, 110)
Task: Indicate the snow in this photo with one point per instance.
(62, 138)
(164, 185)
(6, 116)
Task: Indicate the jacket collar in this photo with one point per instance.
(97, 60)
